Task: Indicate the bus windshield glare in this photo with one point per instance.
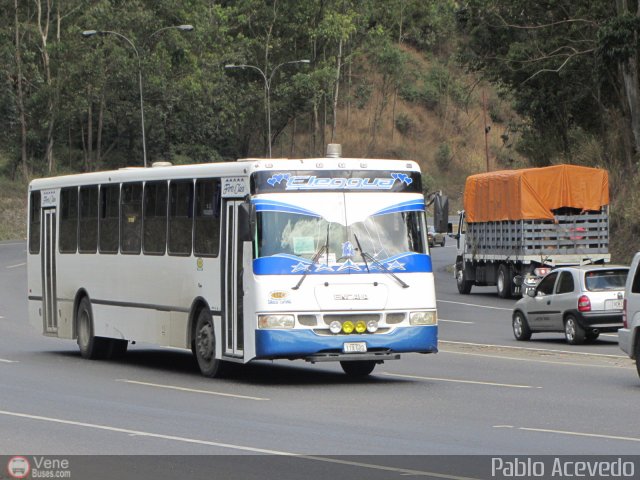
(302, 235)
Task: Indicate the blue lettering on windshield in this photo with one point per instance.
(312, 182)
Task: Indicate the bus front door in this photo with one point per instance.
(48, 269)
(232, 314)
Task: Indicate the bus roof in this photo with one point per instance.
(241, 167)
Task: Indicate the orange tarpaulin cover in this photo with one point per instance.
(531, 193)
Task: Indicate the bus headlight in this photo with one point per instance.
(275, 321)
(423, 318)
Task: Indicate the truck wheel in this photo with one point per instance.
(573, 332)
(521, 329)
(90, 346)
(504, 281)
(464, 285)
(358, 368)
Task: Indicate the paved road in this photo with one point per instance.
(484, 393)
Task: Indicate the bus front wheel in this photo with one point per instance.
(91, 347)
(358, 368)
(205, 346)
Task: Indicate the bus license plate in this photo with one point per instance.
(354, 347)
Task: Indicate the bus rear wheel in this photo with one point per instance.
(358, 368)
(91, 347)
(205, 346)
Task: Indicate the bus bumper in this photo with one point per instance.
(271, 344)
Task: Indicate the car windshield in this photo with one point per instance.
(600, 280)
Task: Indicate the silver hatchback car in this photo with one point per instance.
(580, 301)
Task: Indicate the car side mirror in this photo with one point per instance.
(518, 280)
(531, 292)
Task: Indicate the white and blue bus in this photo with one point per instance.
(322, 259)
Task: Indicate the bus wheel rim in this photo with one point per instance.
(205, 342)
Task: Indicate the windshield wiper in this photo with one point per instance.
(316, 256)
(366, 255)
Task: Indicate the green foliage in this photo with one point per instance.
(405, 125)
(443, 157)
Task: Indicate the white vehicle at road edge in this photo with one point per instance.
(629, 335)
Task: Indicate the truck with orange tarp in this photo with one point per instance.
(519, 223)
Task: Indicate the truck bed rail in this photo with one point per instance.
(565, 235)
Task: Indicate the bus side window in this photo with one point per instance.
(155, 218)
(206, 237)
(131, 218)
(88, 228)
(109, 218)
(180, 217)
(69, 220)
(34, 223)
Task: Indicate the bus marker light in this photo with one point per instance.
(361, 327)
(335, 326)
(348, 326)
(372, 326)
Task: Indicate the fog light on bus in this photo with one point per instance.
(348, 326)
(275, 321)
(361, 327)
(335, 326)
(423, 318)
(372, 326)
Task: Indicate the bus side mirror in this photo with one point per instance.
(246, 222)
(449, 227)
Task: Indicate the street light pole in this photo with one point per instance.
(267, 90)
(91, 33)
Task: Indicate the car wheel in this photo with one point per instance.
(521, 329)
(444, 240)
(358, 368)
(464, 285)
(504, 281)
(205, 346)
(592, 336)
(573, 332)
(90, 346)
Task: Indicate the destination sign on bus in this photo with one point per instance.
(335, 180)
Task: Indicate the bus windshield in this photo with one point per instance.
(296, 232)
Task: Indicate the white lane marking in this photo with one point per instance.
(8, 244)
(16, 266)
(575, 434)
(533, 349)
(4, 360)
(475, 305)
(455, 321)
(192, 390)
(139, 433)
(534, 360)
(453, 380)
